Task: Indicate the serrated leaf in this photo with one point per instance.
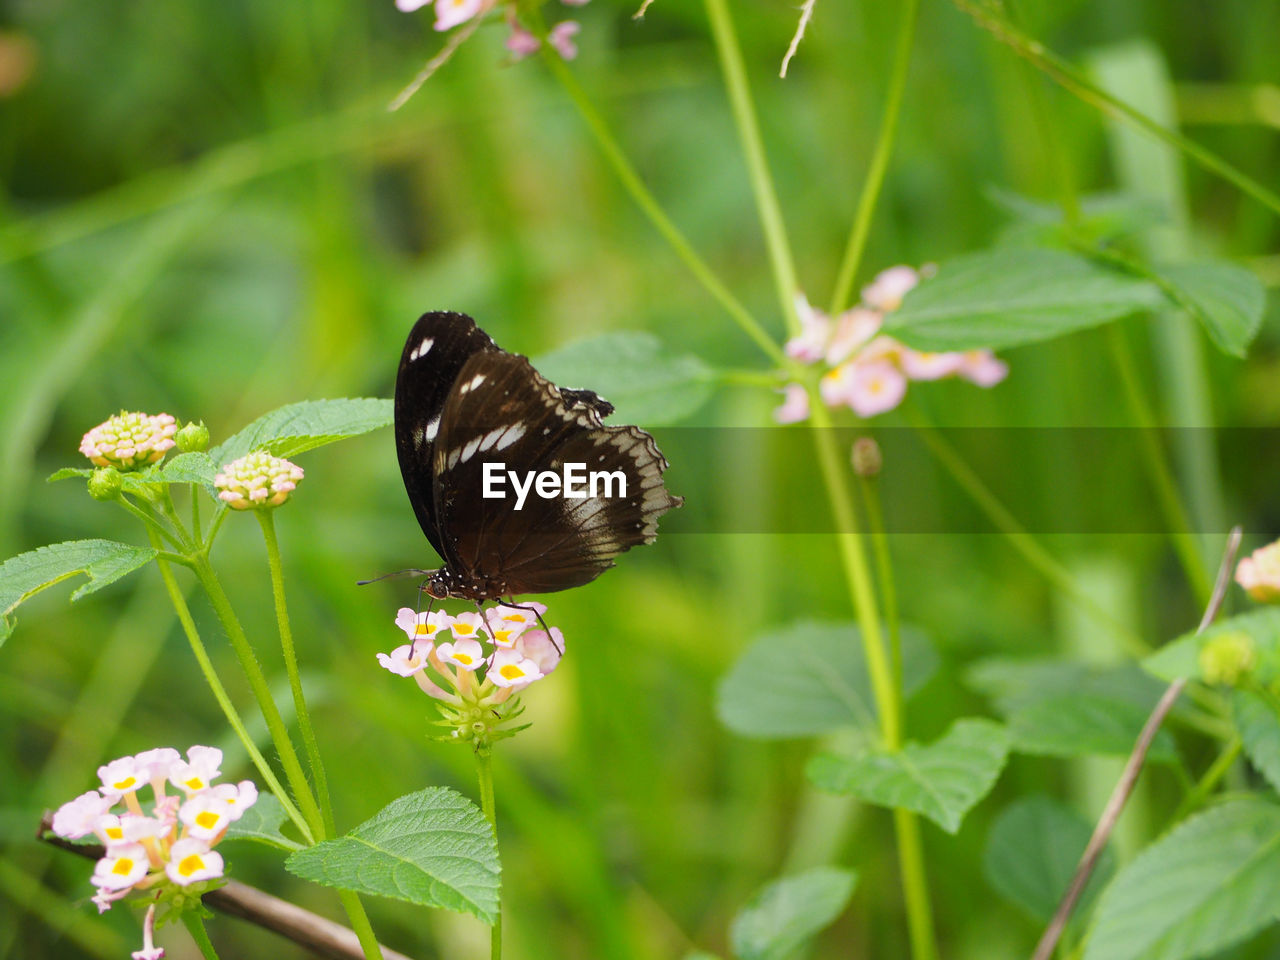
(1211, 882)
(1102, 216)
(103, 561)
(941, 780)
(1032, 853)
(195, 467)
(1014, 683)
(1012, 296)
(784, 915)
(1180, 658)
(433, 848)
(632, 371)
(1227, 300)
(810, 678)
(299, 427)
(1081, 723)
(66, 473)
(262, 822)
(1258, 724)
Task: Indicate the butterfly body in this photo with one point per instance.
(463, 402)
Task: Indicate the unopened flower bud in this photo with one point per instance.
(1227, 658)
(866, 457)
(257, 480)
(193, 438)
(129, 441)
(105, 483)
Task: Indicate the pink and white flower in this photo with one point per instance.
(75, 818)
(982, 367)
(123, 776)
(257, 480)
(206, 816)
(521, 42)
(158, 763)
(130, 441)
(422, 625)
(408, 6)
(122, 867)
(450, 13)
(406, 660)
(467, 654)
(886, 291)
(794, 406)
(191, 861)
(544, 650)
(561, 38)
(1259, 574)
(853, 330)
(238, 797)
(815, 331)
(510, 668)
(466, 625)
(506, 623)
(924, 365)
(202, 768)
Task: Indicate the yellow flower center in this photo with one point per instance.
(425, 630)
(125, 784)
(207, 819)
(123, 867)
(464, 629)
(189, 865)
(510, 671)
(115, 833)
(501, 635)
(195, 783)
(464, 659)
(515, 617)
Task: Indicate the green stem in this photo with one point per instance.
(867, 200)
(265, 519)
(220, 695)
(360, 924)
(766, 195)
(884, 573)
(888, 705)
(194, 923)
(484, 771)
(1166, 488)
(151, 521)
(1016, 534)
(1209, 782)
(1074, 80)
(262, 693)
(648, 205)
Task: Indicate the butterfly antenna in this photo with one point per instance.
(413, 647)
(395, 576)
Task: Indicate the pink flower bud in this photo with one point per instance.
(257, 480)
(130, 441)
(1259, 574)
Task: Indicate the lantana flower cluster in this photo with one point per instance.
(1259, 574)
(257, 480)
(521, 43)
(130, 441)
(868, 370)
(485, 660)
(169, 844)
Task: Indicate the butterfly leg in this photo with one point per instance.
(413, 647)
(541, 622)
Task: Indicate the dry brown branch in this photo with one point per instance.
(1132, 768)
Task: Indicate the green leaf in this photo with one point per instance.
(1032, 853)
(1102, 216)
(66, 473)
(788, 912)
(942, 780)
(810, 678)
(1007, 297)
(433, 848)
(103, 561)
(631, 370)
(1211, 882)
(1181, 658)
(1258, 723)
(1226, 299)
(299, 427)
(1076, 724)
(188, 468)
(261, 822)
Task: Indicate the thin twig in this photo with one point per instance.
(1132, 768)
(806, 14)
(639, 14)
(456, 39)
(322, 936)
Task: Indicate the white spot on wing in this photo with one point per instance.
(469, 450)
(432, 429)
(491, 438)
(510, 436)
(421, 349)
(471, 384)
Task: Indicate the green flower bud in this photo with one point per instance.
(193, 438)
(105, 483)
(1227, 658)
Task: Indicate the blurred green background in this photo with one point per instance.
(208, 211)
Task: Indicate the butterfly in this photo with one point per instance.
(472, 419)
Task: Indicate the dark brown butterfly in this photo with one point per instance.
(463, 402)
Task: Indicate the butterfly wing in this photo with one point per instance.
(438, 347)
(504, 411)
